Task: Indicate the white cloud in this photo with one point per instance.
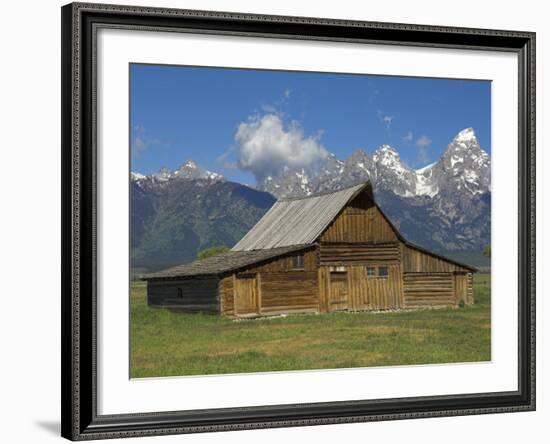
(408, 138)
(385, 119)
(279, 105)
(264, 145)
(270, 109)
(139, 142)
(423, 143)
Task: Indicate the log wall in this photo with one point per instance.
(286, 263)
(464, 288)
(470, 290)
(416, 261)
(226, 296)
(189, 295)
(429, 289)
(359, 253)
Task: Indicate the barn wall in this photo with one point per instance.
(464, 287)
(470, 289)
(197, 294)
(292, 291)
(376, 293)
(363, 293)
(429, 289)
(360, 253)
(360, 221)
(226, 287)
(416, 261)
(286, 263)
(323, 279)
(269, 293)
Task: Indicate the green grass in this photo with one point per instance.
(169, 344)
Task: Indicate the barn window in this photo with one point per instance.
(180, 293)
(374, 272)
(298, 262)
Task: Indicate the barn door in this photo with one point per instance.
(338, 296)
(246, 295)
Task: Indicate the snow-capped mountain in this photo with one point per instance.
(450, 196)
(464, 167)
(188, 171)
(390, 173)
(444, 206)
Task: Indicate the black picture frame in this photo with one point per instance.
(78, 332)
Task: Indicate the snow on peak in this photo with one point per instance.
(425, 186)
(137, 176)
(386, 149)
(163, 174)
(426, 168)
(389, 158)
(466, 135)
(190, 170)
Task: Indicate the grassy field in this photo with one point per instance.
(168, 344)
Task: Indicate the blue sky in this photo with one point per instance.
(230, 120)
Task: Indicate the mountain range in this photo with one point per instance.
(445, 206)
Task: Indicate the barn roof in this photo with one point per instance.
(295, 221)
(224, 262)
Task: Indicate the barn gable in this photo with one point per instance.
(360, 221)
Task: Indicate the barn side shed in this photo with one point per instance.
(328, 252)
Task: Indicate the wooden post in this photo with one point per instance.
(235, 295)
(259, 293)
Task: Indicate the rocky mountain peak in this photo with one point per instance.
(465, 145)
(358, 163)
(466, 135)
(162, 175)
(188, 171)
(387, 156)
(189, 164)
(465, 154)
(385, 151)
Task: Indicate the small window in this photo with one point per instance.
(180, 293)
(371, 272)
(298, 262)
(374, 272)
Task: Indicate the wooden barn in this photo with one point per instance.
(322, 253)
